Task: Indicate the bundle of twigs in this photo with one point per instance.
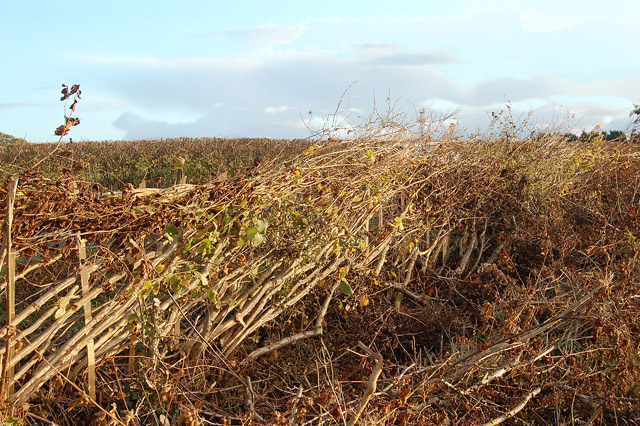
(234, 254)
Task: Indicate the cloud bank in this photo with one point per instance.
(269, 92)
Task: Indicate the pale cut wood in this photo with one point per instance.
(372, 384)
(8, 219)
(317, 331)
(11, 313)
(84, 278)
(6, 387)
(515, 410)
(68, 353)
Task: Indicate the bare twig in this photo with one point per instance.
(371, 384)
(515, 410)
(317, 331)
(250, 400)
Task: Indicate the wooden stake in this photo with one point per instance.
(11, 314)
(84, 278)
(132, 354)
(6, 387)
(176, 328)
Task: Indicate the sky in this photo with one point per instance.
(198, 68)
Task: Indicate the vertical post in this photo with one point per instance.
(6, 386)
(84, 278)
(11, 314)
(132, 354)
(366, 225)
(176, 328)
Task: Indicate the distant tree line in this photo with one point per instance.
(610, 136)
(6, 139)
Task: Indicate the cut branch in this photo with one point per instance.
(318, 331)
(515, 410)
(372, 384)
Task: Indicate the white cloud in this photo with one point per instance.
(304, 81)
(274, 110)
(553, 15)
(392, 54)
(414, 59)
(368, 49)
(266, 36)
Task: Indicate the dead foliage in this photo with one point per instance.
(487, 280)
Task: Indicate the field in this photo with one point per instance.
(386, 279)
(113, 164)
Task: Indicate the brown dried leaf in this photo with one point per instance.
(61, 131)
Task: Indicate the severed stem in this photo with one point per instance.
(372, 384)
(515, 410)
(318, 331)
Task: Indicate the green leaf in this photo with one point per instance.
(174, 283)
(172, 231)
(342, 273)
(10, 421)
(254, 236)
(203, 279)
(204, 246)
(346, 288)
(261, 226)
(211, 295)
(251, 233)
(258, 239)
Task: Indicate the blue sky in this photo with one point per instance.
(151, 69)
